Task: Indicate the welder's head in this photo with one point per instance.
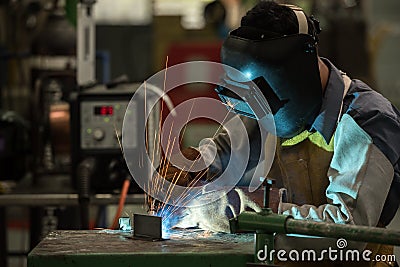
(275, 47)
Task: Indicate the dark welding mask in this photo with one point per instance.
(284, 68)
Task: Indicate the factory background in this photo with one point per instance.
(134, 39)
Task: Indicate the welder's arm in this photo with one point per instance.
(177, 176)
(222, 151)
(360, 176)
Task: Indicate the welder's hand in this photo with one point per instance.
(178, 176)
(215, 215)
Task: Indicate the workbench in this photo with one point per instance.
(119, 249)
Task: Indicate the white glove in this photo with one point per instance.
(215, 216)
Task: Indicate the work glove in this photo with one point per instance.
(215, 216)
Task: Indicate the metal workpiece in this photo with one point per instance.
(147, 226)
(124, 224)
(119, 249)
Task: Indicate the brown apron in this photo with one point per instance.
(302, 169)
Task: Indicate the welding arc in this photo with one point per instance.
(121, 203)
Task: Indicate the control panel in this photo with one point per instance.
(101, 123)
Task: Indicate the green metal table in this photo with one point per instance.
(118, 249)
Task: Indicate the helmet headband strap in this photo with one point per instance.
(301, 18)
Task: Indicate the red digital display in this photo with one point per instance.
(103, 110)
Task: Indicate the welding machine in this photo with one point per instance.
(97, 115)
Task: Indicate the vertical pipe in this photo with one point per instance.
(3, 237)
(266, 196)
(264, 243)
(70, 10)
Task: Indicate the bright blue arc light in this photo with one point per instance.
(248, 74)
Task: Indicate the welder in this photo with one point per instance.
(338, 149)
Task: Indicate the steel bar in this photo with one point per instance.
(273, 223)
(349, 232)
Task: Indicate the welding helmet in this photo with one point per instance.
(285, 69)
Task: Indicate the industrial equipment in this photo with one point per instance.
(97, 115)
(14, 145)
(96, 125)
(53, 77)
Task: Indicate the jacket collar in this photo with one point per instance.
(326, 121)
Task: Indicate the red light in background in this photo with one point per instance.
(104, 110)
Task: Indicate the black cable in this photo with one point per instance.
(85, 171)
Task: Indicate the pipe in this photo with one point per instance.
(85, 171)
(271, 223)
(349, 232)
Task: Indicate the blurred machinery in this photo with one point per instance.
(77, 122)
(53, 77)
(14, 145)
(97, 115)
(98, 164)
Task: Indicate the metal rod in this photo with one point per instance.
(349, 232)
(274, 223)
(262, 240)
(266, 196)
(268, 182)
